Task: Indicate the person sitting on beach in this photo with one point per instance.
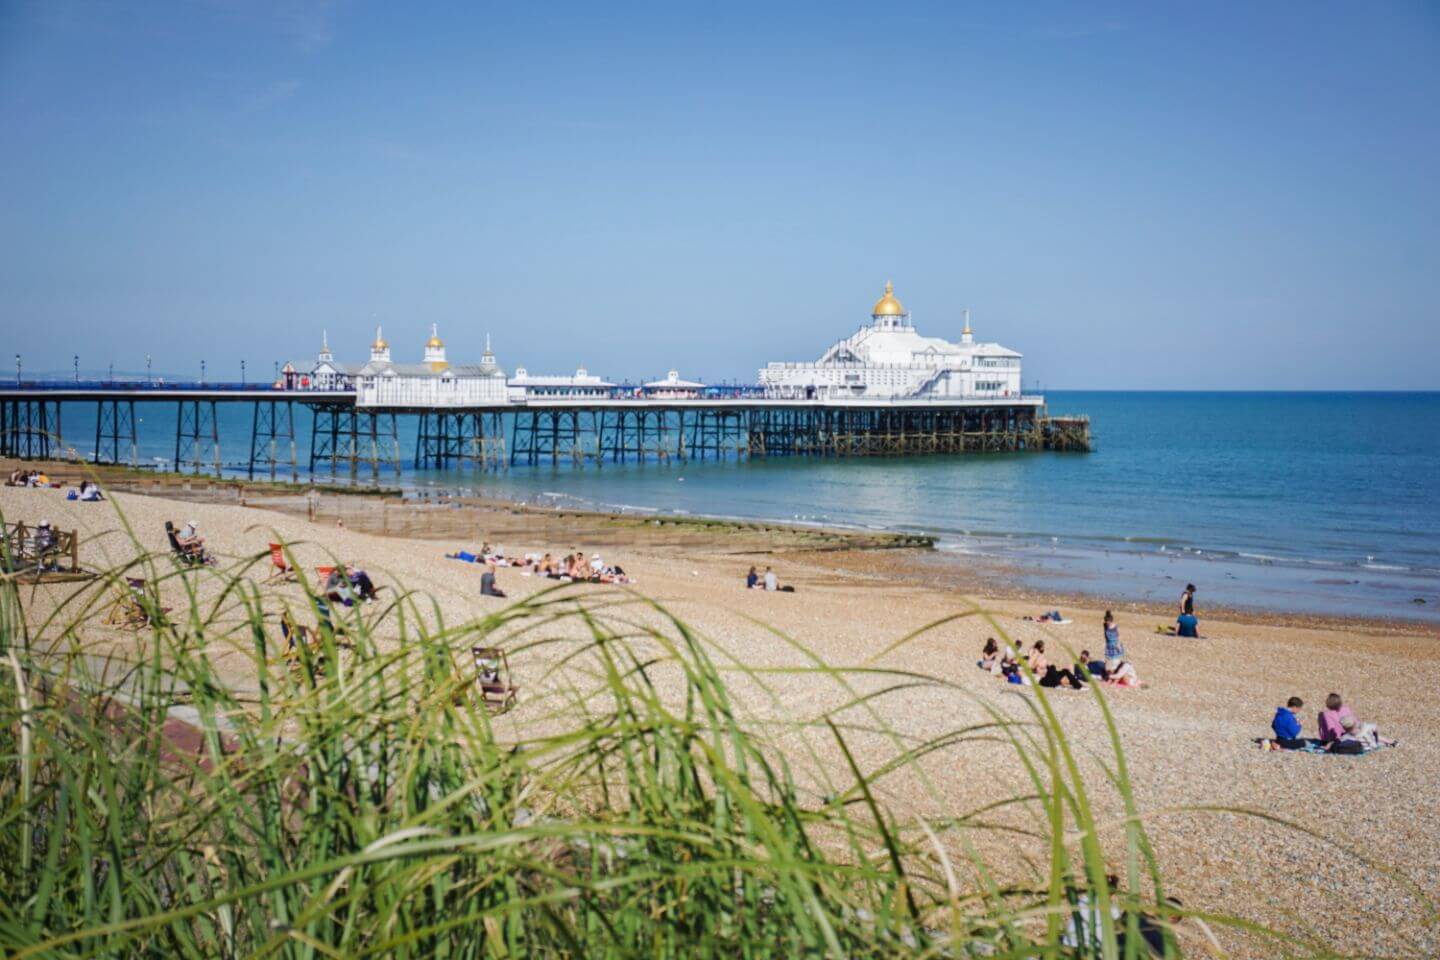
(1121, 673)
(1332, 718)
(1187, 600)
(189, 538)
(597, 566)
(751, 579)
(18, 478)
(990, 657)
(1187, 625)
(337, 587)
(1286, 726)
(487, 584)
(1337, 719)
(40, 480)
(1047, 674)
(361, 581)
(548, 568)
(90, 491)
(1114, 649)
(771, 582)
(1085, 667)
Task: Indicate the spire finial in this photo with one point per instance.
(889, 287)
(967, 321)
(434, 329)
(487, 341)
(324, 340)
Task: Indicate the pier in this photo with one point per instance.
(358, 441)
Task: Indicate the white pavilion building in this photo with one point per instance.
(889, 359)
(582, 386)
(672, 388)
(433, 383)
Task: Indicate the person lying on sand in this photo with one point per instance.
(1050, 616)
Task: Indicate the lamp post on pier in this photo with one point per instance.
(110, 377)
(202, 373)
(148, 380)
(77, 368)
(242, 373)
(17, 369)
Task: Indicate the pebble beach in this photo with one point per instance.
(1361, 877)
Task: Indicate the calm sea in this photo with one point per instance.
(1327, 502)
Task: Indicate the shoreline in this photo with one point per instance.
(904, 558)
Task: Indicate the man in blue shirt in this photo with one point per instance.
(1287, 725)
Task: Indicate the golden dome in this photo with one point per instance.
(434, 340)
(888, 306)
(379, 343)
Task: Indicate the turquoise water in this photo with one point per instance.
(1328, 502)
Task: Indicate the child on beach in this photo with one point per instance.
(1286, 726)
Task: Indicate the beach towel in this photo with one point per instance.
(1314, 746)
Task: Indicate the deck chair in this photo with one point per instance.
(182, 553)
(492, 679)
(132, 605)
(280, 568)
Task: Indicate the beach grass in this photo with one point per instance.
(359, 800)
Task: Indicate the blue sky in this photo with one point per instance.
(1134, 195)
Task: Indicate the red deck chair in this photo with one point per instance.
(280, 568)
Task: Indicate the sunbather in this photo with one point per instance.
(1046, 673)
(1092, 668)
(90, 491)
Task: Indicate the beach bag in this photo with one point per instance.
(71, 495)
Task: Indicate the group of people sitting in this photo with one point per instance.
(1114, 668)
(27, 478)
(571, 568)
(89, 491)
(1339, 731)
(348, 584)
(754, 581)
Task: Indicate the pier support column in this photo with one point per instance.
(272, 436)
(115, 431)
(196, 427)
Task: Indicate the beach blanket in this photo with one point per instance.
(1315, 746)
